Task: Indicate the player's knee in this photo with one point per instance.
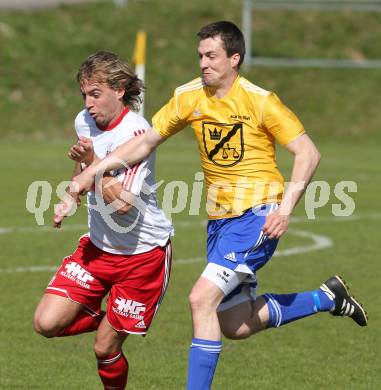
(45, 326)
(102, 349)
(197, 302)
(193, 299)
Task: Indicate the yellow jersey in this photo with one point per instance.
(236, 135)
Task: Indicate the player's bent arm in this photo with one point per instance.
(127, 154)
(113, 193)
(306, 160)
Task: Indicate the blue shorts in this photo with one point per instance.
(238, 244)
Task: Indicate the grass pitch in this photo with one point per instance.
(318, 352)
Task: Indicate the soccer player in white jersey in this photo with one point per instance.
(127, 252)
(236, 124)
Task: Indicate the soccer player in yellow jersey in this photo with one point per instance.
(236, 125)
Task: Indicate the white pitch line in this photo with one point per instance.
(40, 229)
(17, 270)
(319, 242)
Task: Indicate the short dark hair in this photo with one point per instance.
(107, 67)
(231, 36)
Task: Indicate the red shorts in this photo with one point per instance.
(136, 283)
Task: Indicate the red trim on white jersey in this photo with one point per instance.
(105, 234)
(130, 174)
(112, 125)
(139, 132)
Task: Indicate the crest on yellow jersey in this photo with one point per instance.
(223, 142)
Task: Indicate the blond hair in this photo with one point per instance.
(106, 67)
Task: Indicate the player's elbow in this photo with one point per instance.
(314, 156)
(124, 209)
(309, 154)
(152, 139)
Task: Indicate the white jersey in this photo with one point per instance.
(144, 226)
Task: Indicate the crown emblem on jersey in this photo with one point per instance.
(223, 142)
(215, 135)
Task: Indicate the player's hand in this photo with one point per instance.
(82, 151)
(79, 184)
(65, 207)
(276, 224)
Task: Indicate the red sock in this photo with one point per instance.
(84, 322)
(113, 370)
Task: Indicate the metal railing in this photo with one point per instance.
(300, 5)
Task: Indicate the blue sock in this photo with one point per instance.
(203, 358)
(286, 308)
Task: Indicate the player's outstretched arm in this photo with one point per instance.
(306, 160)
(125, 155)
(129, 153)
